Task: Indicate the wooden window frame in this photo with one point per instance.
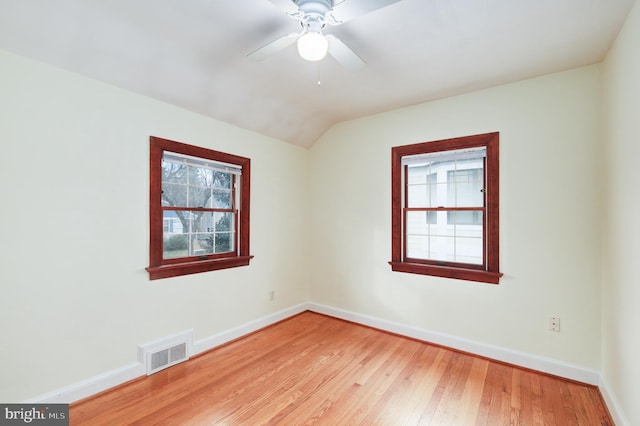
(165, 268)
(489, 271)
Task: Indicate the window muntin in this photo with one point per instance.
(445, 216)
(199, 209)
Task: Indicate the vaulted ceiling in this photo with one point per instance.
(192, 53)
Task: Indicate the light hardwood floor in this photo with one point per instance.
(313, 369)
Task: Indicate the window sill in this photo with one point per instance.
(195, 267)
(447, 272)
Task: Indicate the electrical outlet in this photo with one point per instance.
(554, 324)
(272, 295)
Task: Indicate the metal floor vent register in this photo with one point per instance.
(166, 352)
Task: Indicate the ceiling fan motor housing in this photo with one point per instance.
(314, 13)
(320, 7)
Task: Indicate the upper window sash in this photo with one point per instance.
(198, 184)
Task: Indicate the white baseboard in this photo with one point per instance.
(211, 342)
(124, 374)
(612, 404)
(109, 379)
(534, 362)
(91, 386)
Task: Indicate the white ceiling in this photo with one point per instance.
(191, 53)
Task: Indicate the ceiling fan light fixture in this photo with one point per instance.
(312, 46)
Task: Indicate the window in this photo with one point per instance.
(199, 209)
(445, 212)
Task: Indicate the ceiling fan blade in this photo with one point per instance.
(350, 9)
(273, 47)
(343, 55)
(287, 6)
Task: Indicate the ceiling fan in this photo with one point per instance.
(314, 16)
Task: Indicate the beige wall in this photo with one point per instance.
(75, 298)
(621, 227)
(550, 246)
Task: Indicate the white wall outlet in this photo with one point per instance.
(272, 295)
(554, 324)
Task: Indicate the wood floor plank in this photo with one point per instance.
(470, 403)
(314, 369)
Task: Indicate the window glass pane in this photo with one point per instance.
(441, 248)
(471, 219)
(465, 187)
(417, 175)
(418, 222)
(200, 177)
(222, 199)
(175, 222)
(200, 181)
(175, 237)
(222, 180)
(201, 244)
(172, 172)
(417, 196)
(174, 194)
(199, 196)
(455, 249)
(432, 217)
(467, 230)
(201, 222)
(223, 221)
(468, 250)
(223, 242)
(417, 246)
(465, 217)
(175, 245)
(421, 188)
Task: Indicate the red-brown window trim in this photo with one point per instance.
(159, 268)
(491, 271)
